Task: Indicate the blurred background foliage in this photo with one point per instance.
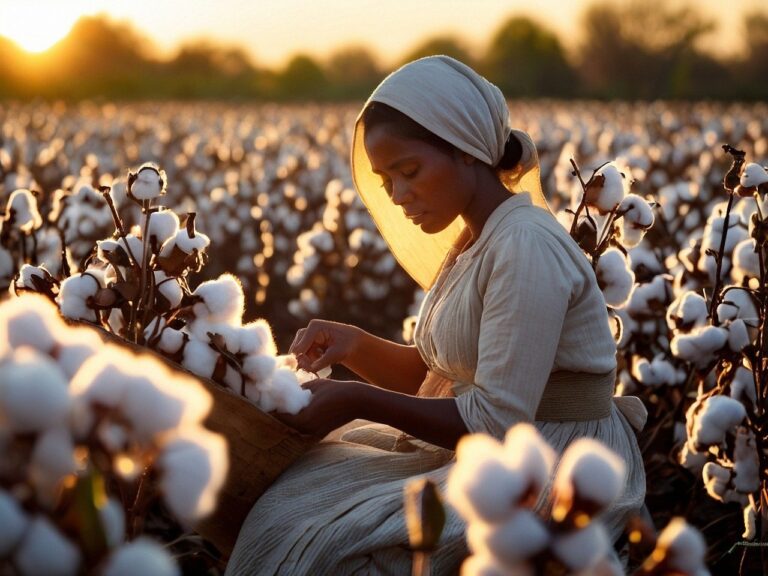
(631, 50)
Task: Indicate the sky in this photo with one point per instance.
(274, 30)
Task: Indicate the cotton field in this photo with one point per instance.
(211, 232)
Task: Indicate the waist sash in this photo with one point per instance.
(576, 396)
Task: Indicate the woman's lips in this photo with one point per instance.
(416, 218)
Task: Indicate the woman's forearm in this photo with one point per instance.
(386, 364)
(434, 420)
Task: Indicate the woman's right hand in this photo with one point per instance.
(323, 343)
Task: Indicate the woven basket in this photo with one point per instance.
(260, 448)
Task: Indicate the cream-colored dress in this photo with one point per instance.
(520, 303)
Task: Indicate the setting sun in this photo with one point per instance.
(36, 26)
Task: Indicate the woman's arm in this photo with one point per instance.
(336, 402)
(386, 364)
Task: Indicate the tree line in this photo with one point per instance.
(630, 50)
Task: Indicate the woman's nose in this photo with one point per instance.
(400, 192)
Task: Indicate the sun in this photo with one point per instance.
(36, 26)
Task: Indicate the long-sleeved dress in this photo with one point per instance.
(519, 304)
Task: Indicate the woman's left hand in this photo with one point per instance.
(333, 404)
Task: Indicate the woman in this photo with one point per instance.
(513, 328)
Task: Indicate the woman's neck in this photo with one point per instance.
(489, 195)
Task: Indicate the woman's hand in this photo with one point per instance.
(323, 343)
(333, 404)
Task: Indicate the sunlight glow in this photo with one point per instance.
(36, 26)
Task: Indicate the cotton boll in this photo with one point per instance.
(683, 547)
(222, 300)
(687, 311)
(290, 396)
(30, 320)
(738, 303)
(588, 471)
(743, 385)
(614, 277)
(607, 189)
(649, 296)
(27, 272)
(526, 450)
(194, 466)
(658, 372)
(710, 419)
(511, 541)
(13, 523)
(481, 486)
(44, 550)
(746, 262)
(259, 368)
(200, 358)
(583, 548)
(692, 460)
(100, 379)
(33, 392)
(52, 460)
(699, 347)
(746, 464)
(147, 183)
(141, 556)
(716, 482)
(162, 226)
(169, 288)
(738, 335)
(74, 295)
(753, 175)
(78, 344)
(186, 243)
(170, 340)
(23, 205)
(133, 247)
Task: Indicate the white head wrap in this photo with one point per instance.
(454, 102)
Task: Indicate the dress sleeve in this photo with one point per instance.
(526, 285)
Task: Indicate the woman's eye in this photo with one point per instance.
(409, 172)
(386, 183)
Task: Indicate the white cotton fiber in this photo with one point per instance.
(753, 175)
(614, 277)
(699, 347)
(149, 183)
(30, 320)
(526, 450)
(645, 296)
(171, 340)
(685, 547)
(13, 523)
(200, 358)
(222, 300)
(194, 466)
(743, 385)
(481, 485)
(746, 464)
(185, 243)
(78, 344)
(607, 196)
(738, 303)
(745, 261)
(583, 548)
(289, 395)
(27, 272)
(74, 294)
(513, 540)
(259, 368)
(142, 556)
(24, 206)
(133, 247)
(716, 479)
(162, 225)
(712, 418)
(687, 311)
(101, 379)
(34, 395)
(738, 335)
(169, 287)
(52, 460)
(590, 471)
(44, 550)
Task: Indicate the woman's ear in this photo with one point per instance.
(468, 159)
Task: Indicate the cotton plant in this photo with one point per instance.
(90, 435)
(516, 522)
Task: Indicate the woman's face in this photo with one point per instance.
(428, 183)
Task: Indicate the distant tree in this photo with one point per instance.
(644, 49)
(302, 79)
(526, 59)
(352, 72)
(445, 44)
(753, 71)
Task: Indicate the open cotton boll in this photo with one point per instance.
(513, 540)
(194, 466)
(583, 548)
(638, 218)
(683, 547)
(745, 261)
(712, 418)
(646, 297)
(480, 484)
(738, 303)
(200, 329)
(171, 340)
(44, 550)
(148, 183)
(222, 300)
(614, 277)
(753, 175)
(743, 385)
(746, 464)
(259, 368)
(13, 523)
(657, 372)
(141, 556)
(687, 311)
(289, 395)
(34, 393)
(186, 243)
(133, 247)
(200, 358)
(30, 320)
(692, 460)
(738, 335)
(526, 450)
(78, 344)
(607, 189)
(27, 272)
(169, 287)
(74, 296)
(717, 481)
(101, 379)
(699, 347)
(23, 205)
(52, 460)
(162, 226)
(588, 471)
